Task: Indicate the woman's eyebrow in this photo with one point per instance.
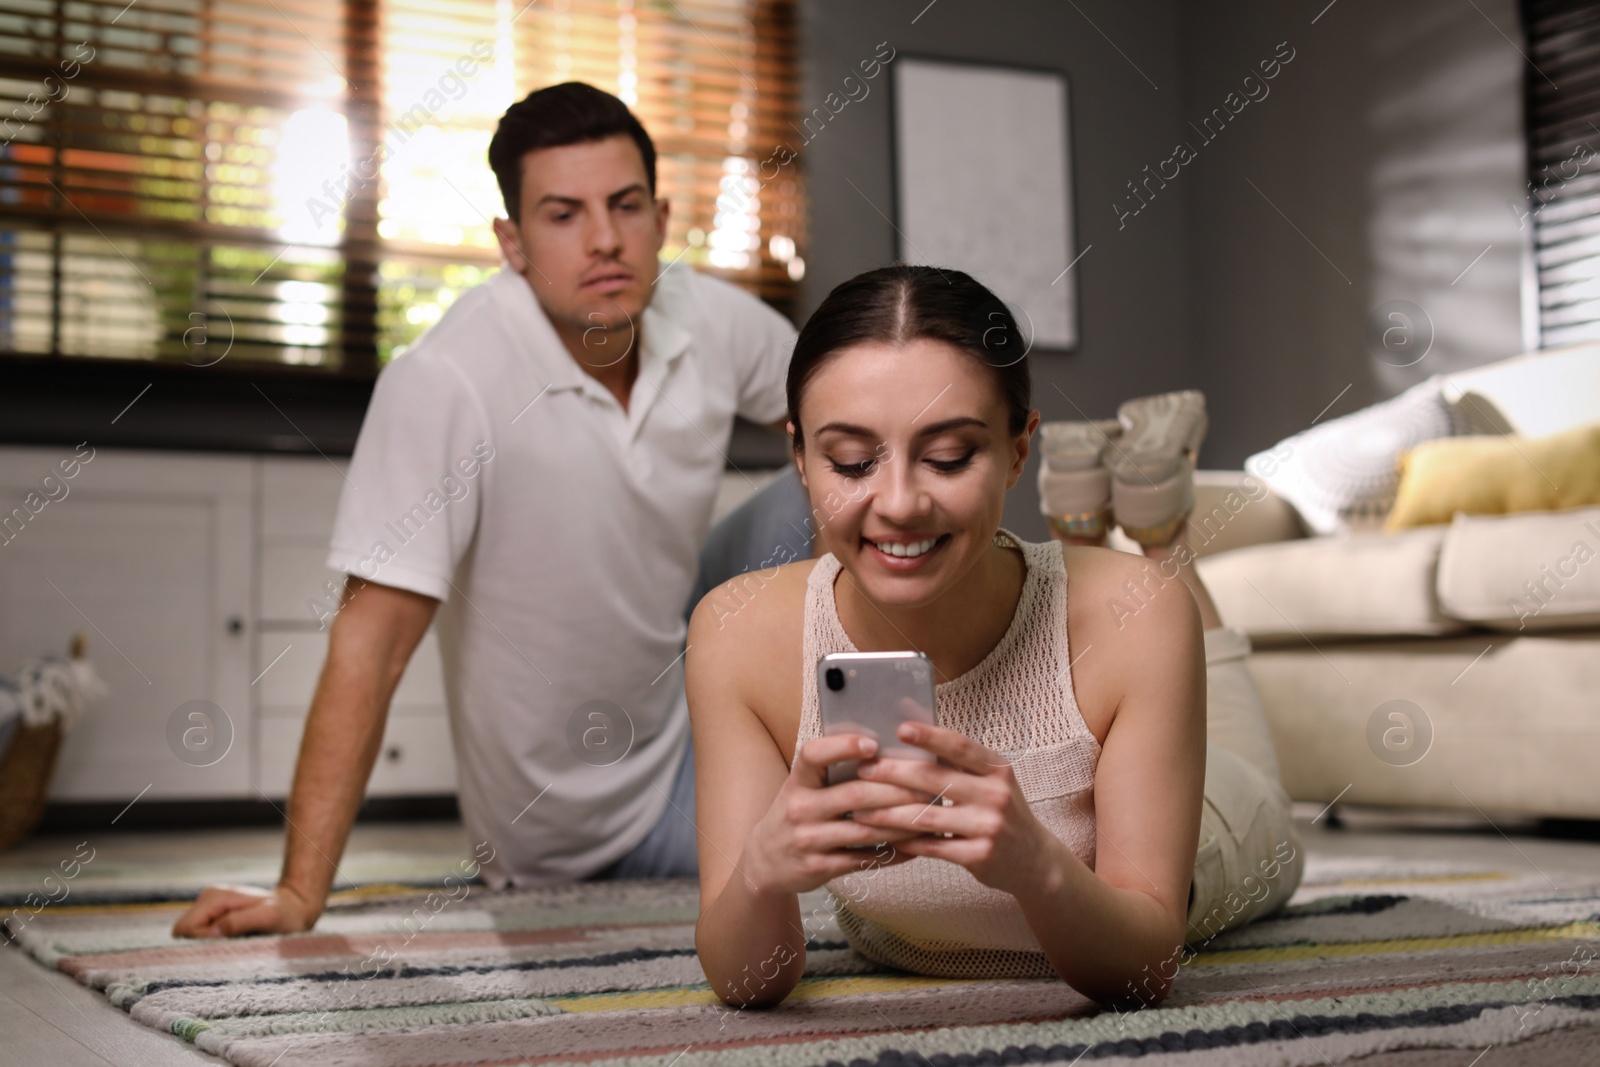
(951, 424)
(850, 429)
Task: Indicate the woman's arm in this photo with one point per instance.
(1113, 933)
(1122, 940)
(766, 834)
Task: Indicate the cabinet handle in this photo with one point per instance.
(236, 625)
(392, 754)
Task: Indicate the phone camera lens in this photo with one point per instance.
(835, 678)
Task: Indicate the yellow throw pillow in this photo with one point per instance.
(1490, 475)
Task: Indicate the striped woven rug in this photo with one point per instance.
(1371, 957)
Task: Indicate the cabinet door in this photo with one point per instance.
(299, 498)
(149, 556)
(417, 757)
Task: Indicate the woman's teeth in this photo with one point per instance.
(902, 548)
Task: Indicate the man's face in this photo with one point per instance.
(588, 237)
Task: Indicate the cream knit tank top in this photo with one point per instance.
(930, 916)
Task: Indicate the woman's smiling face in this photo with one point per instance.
(907, 457)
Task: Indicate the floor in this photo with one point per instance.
(46, 1017)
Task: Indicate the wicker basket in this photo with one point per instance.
(25, 772)
(29, 762)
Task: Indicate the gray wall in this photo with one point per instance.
(1388, 149)
(1132, 286)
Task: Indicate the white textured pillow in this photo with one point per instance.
(1341, 475)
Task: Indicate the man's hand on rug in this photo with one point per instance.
(232, 910)
(804, 840)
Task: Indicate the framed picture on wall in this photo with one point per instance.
(983, 184)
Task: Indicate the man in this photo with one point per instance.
(540, 470)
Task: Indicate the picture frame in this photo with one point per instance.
(983, 184)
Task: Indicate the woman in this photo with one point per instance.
(1076, 822)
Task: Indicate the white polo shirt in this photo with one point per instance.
(562, 535)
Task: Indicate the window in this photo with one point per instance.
(1562, 213)
(193, 180)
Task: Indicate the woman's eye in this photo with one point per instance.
(949, 466)
(852, 470)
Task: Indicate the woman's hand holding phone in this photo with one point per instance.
(804, 841)
(985, 825)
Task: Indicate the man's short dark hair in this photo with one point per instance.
(569, 113)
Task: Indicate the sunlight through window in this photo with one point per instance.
(311, 179)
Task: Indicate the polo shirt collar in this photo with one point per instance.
(532, 331)
(662, 342)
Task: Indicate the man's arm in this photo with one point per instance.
(369, 646)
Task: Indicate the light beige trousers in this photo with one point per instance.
(1250, 859)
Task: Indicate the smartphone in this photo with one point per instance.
(872, 693)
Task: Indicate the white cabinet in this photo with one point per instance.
(417, 757)
(150, 556)
(299, 497)
(195, 578)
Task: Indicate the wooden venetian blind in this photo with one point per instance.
(305, 182)
(1563, 197)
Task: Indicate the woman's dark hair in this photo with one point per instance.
(569, 113)
(899, 304)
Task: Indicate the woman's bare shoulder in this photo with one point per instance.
(757, 606)
(1115, 586)
(1098, 573)
(1119, 606)
(744, 641)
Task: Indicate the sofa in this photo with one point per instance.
(1450, 666)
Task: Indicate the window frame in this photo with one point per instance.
(167, 403)
(1562, 144)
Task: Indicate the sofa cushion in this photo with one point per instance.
(1534, 395)
(1533, 571)
(1233, 509)
(1341, 475)
(1490, 475)
(1350, 585)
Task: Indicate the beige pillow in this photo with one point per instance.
(1345, 585)
(1488, 475)
(1535, 571)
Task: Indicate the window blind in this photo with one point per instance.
(305, 183)
(1562, 209)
